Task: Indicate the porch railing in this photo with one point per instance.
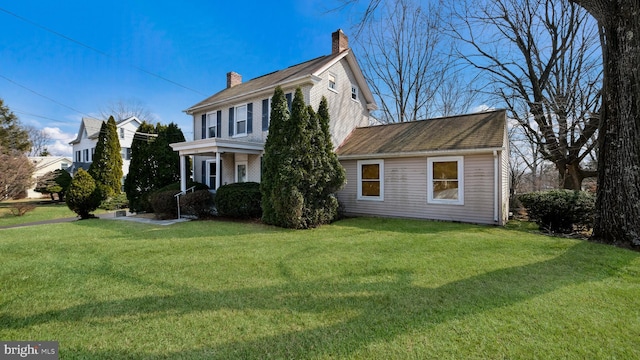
(181, 193)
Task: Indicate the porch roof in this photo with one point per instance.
(212, 146)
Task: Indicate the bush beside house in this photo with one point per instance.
(560, 211)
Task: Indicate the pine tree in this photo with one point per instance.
(167, 160)
(300, 170)
(141, 177)
(106, 168)
(83, 195)
(273, 156)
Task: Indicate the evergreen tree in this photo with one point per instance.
(13, 136)
(83, 195)
(106, 168)
(167, 160)
(300, 170)
(54, 182)
(141, 177)
(154, 164)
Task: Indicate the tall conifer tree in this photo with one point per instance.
(106, 168)
(140, 179)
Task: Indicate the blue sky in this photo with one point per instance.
(192, 43)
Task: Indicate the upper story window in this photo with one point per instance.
(332, 82)
(354, 92)
(85, 155)
(445, 180)
(213, 123)
(121, 133)
(266, 114)
(241, 120)
(126, 153)
(371, 180)
(78, 156)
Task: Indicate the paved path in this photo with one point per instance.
(108, 216)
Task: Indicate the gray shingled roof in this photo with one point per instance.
(464, 132)
(91, 125)
(269, 80)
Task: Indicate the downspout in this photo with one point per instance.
(496, 188)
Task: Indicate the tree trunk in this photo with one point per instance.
(571, 176)
(618, 198)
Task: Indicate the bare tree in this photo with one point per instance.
(402, 52)
(124, 109)
(15, 174)
(540, 59)
(39, 141)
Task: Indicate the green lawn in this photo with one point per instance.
(45, 210)
(357, 289)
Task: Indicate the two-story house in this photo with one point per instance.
(230, 127)
(84, 145)
(453, 168)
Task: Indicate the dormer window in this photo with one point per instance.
(332, 82)
(354, 92)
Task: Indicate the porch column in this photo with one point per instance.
(183, 172)
(217, 170)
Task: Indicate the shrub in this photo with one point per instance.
(198, 203)
(144, 201)
(83, 195)
(115, 202)
(560, 210)
(164, 204)
(239, 200)
(21, 208)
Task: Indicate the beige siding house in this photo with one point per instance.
(451, 168)
(44, 165)
(230, 127)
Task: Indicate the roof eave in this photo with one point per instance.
(420, 153)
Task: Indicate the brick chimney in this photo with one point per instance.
(233, 79)
(339, 42)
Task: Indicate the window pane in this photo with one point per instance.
(445, 170)
(241, 127)
(445, 189)
(242, 173)
(212, 132)
(371, 171)
(370, 188)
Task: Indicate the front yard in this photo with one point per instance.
(360, 288)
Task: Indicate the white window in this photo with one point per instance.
(354, 92)
(445, 180)
(212, 124)
(371, 180)
(121, 133)
(241, 120)
(78, 156)
(85, 155)
(332, 82)
(241, 172)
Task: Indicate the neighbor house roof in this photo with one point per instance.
(91, 126)
(293, 75)
(478, 131)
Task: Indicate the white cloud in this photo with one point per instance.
(59, 145)
(482, 108)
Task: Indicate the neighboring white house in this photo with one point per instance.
(43, 165)
(230, 127)
(84, 145)
(453, 168)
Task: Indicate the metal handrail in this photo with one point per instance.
(177, 196)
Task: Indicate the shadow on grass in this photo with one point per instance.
(382, 310)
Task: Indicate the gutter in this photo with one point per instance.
(418, 154)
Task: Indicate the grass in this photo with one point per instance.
(357, 289)
(45, 210)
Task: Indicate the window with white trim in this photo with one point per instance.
(354, 92)
(371, 180)
(332, 82)
(121, 133)
(445, 180)
(212, 124)
(241, 171)
(241, 120)
(211, 174)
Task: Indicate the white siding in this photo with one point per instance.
(405, 193)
